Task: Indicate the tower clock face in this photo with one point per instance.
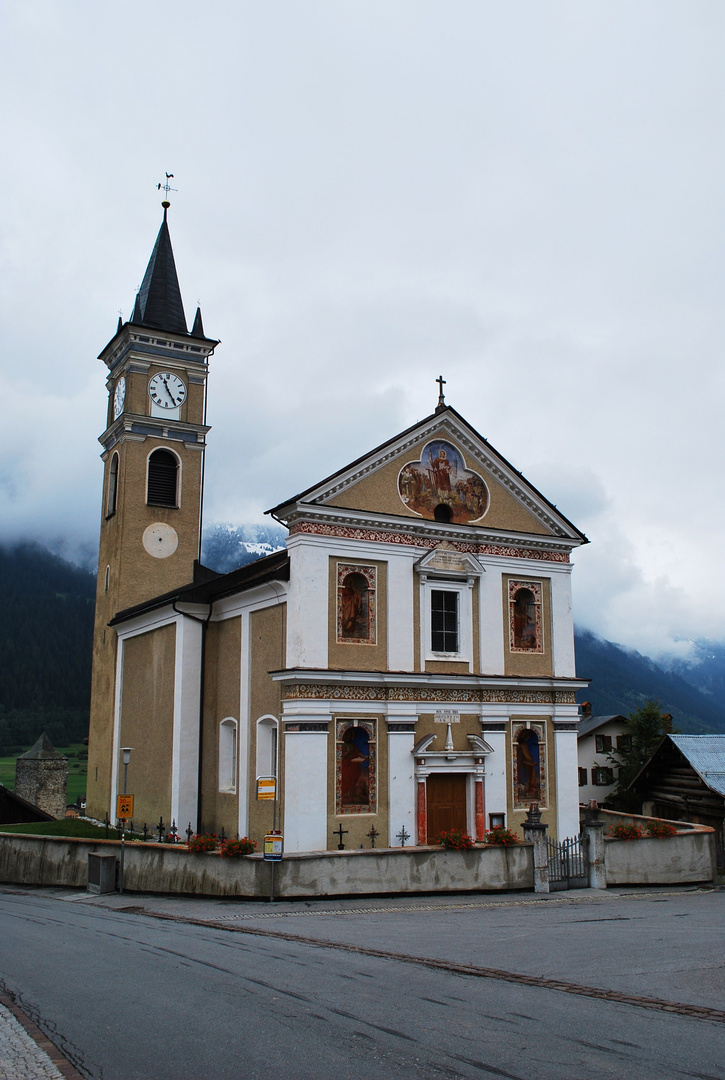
(119, 397)
(166, 390)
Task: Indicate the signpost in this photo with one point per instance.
(273, 841)
(124, 807)
(273, 846)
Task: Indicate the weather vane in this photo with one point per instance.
(166, 188)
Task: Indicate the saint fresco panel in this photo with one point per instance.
(525, 623)
(529, 764)
(355, 767)
(356, 591)
(441, 481)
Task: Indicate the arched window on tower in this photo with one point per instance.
(112, 487)
(162, 479)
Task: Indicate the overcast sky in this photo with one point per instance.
(524, 197)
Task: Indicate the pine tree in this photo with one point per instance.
(647, 727)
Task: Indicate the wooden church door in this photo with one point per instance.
(446, 803)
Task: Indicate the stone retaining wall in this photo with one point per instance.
(162, 868)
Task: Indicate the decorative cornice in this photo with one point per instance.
(136, 427)
(420, 536)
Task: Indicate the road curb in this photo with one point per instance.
(64, 1067)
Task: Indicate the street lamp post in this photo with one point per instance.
(126, 751)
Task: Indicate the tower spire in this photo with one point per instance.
(159, 304)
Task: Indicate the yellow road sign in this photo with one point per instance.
(124, 807)
(273, 847)
(266, 787)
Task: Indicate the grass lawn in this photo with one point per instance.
(66, 827)
(77, 770)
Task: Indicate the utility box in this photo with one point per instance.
(101, 873)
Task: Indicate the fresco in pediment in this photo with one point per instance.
(439, 485)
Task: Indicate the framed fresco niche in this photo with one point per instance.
(356, 604)
(525, 617)
(355, 766)
(528, 740)
(439, 485)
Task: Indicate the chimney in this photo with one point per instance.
(586, 708)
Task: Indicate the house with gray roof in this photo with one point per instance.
(684, 780)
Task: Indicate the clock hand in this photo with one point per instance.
(171, 396)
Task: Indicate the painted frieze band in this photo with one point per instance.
(349, 532)
(317, 691)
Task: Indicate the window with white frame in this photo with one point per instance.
(447, 578)
(444, 620)
(447, 619)
(267, 746)
(228, 755)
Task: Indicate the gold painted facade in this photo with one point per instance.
(378, 493)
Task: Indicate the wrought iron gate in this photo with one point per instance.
(568, 863)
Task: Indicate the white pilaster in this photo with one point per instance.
(567, 780)
(185, 741)
(491, 621)
(401, 781)
(305, 787)
(117, 699)
(400, 613)
(493, 730)
(562, 623)
(307, 604)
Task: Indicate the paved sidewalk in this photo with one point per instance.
(28, 1054)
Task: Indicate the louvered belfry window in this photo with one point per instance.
(162, 482)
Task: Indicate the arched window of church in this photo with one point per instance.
(228, 755)
(355, 779)
(267, 746)
(112, 487)
(162, 479)
(525, 623)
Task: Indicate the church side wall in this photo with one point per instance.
(267, 653)
(147, 721)
(221, 700)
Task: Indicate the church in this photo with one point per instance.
(405, 666)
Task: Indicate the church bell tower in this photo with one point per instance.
(153, 453)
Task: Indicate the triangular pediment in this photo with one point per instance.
(440, 470)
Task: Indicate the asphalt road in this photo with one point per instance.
(127, 995)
